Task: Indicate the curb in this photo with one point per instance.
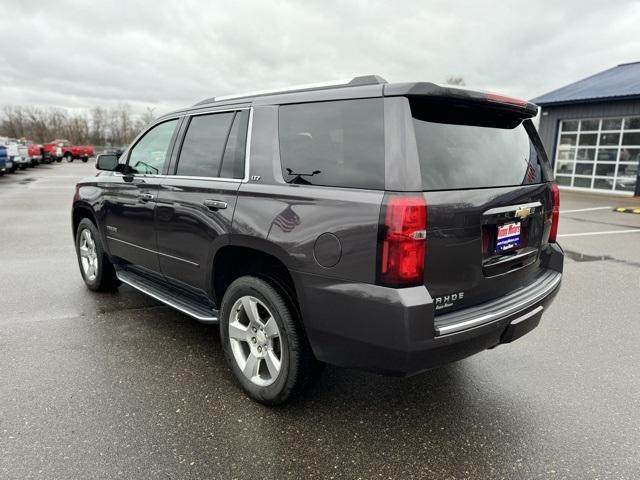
(627, 210)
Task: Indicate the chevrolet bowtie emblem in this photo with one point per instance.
(523, 212)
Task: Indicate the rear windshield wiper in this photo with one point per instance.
(298, 177)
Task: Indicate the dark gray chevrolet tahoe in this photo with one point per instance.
(387, 227)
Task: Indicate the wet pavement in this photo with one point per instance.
(117, 385)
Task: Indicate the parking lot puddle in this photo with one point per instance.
(583, 257)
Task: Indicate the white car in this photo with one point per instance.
(17, 154)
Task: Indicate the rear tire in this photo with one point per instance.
(96, 269)
(287, 365)
(85, 159)
(58, 159)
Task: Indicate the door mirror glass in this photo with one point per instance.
(107, 161)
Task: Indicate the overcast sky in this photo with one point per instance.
(168, 54)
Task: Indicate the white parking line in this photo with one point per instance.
(610, 232)
(586, 209)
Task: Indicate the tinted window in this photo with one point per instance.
(233, 158)
(203, 144)
(468, 156)
(339, 144)
(149, 154)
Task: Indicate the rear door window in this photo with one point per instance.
(459, 155)
(203, 145)
(338, 143)
(234, 153)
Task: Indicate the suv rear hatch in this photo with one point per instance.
(487, 188)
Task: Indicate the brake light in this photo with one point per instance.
(496, 97)
(402, 240)
(555, 215)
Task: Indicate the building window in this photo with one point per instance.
(598, 154)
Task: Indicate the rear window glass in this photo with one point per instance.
(339, 144)
(456, 155)
(203, 145)
(233, 158)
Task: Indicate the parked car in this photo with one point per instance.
(387, 227)
(17, 156)
(117, 151)
(35, 152)
(4, 160)
(22, 159)
(63, 149)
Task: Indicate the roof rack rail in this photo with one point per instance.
(353, 82)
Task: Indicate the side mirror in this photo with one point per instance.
(107, 161)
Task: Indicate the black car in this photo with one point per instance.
(387, 227)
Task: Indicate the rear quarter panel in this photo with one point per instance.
(288, 219)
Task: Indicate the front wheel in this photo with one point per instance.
(96, 269)
(264, 343)
(68, 157)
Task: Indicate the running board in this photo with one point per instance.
(169, 296)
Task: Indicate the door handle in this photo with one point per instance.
(145, 197)
(215, 204)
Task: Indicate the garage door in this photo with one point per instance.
(599, 154)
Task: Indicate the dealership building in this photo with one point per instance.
(591, 131)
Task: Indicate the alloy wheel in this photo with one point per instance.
(88, 255)
(255, 341)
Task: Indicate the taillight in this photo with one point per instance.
(496, 97)
(402, 240)
(555, 215)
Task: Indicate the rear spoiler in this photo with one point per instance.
(521, 109)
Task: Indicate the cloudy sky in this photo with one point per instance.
(81, 53)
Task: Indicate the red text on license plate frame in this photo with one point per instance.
(508, 236)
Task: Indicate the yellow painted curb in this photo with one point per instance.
(627, 210)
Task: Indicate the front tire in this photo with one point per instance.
(68, 157)
(96, 269)
(264, 343)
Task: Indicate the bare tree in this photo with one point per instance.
(453, 80)
(96, 126)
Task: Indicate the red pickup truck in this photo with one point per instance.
(59, 149)
(35, 152)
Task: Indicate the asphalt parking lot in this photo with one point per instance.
(117, 385)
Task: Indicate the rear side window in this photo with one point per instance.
(233, 158)
(338, 144)
(213, 146)
(458, 155)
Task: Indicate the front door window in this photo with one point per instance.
(148, 155)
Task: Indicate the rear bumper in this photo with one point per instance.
(394, 331)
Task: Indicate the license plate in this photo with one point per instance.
(508, 237)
